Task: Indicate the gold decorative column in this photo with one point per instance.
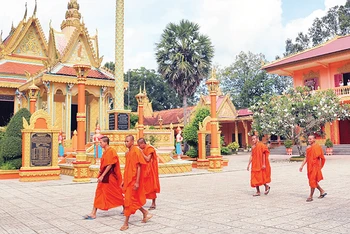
(160, 121)
(119, 56)
(33, 91)
(215, 158)
(81, 166)
(140, 97)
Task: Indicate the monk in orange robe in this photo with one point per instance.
(260, 169)
(151, 176)
(108, 192)
(315, 161)
(133, 186)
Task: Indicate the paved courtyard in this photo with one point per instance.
(197, 202)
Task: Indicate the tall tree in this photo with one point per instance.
(184, 58)
(335, 23)
(158, 91)
(246, 82)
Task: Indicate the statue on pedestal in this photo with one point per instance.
(60, 144)
(179, 140)
(97, 147)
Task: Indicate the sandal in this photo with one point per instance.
(124, 227)
(152, 208)
(267, 191)
(256, 195)
(309, 199)
(88, 217)
(322, 195)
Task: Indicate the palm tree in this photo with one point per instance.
(184, 58)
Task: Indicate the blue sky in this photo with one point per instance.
(259, 26)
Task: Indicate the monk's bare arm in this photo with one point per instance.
(147, 158)
(250, 161)
(137, 183)
(302, 165)
(263, 161)
(104, 173)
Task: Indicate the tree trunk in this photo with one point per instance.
(184, 103)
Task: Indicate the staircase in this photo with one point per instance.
(343, 149)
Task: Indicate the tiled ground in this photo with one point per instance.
(196, 202)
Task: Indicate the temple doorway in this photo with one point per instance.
(344, 131)
(73, 119)
(7, 109)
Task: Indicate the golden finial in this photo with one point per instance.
(144, 87)
(25, 13)
(140, 89)
(1, 37)
(35, 8)
(213, 73)
(50, 23)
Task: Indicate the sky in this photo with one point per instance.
(259, 26)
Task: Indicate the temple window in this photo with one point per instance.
(312, 83)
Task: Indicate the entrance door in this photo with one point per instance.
(73, 119)
(344, 131)
(7, 108)
(239, 139)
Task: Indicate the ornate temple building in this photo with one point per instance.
(326, 66)
(27, 58)
(235, 125)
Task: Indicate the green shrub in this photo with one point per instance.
(234, 146)
(225, 151)
(10, 148)
(16, 123)
(288, 143)
(7, 166)
(328, 143)
(190, 135)
(16, 163)
(193, 153)
(133, 120)
(2, 135)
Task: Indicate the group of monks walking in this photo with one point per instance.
(260, 168)
(140, 181)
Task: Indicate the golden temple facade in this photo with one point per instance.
(27, 57)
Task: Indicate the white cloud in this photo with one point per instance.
(233, 26)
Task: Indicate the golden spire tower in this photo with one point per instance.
(119, 56)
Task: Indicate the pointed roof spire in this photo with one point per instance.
(73, 15)
(144, 87)
(1, 37)
(25, 13)
(35, 9)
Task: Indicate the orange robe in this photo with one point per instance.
(260, 176)
(109, 195)
(315, 161)
(151, 176)
(134, 199)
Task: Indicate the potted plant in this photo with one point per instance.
(234, 146)
(329, 145)
(288, 144)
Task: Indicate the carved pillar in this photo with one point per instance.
(119, 56)
(245, 132)
(81, 166)
(33, 91)
(215, 158)
(236, 132)
(19, 97)
(140, 97)
(102, 109)
(68, 110)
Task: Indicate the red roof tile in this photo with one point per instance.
(244, 112)
(19, 68)
(11, 80)
(333, 46)
(69, 71)
(168, 116)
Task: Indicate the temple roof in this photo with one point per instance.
(336, 45)
(169, 116)
(18, 68)
(97, 74)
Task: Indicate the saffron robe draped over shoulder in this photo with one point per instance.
(134, 199)
(151, 176)
(109, 195)
(315, 161)
(260, 176)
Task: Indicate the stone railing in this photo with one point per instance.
(342, 90)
